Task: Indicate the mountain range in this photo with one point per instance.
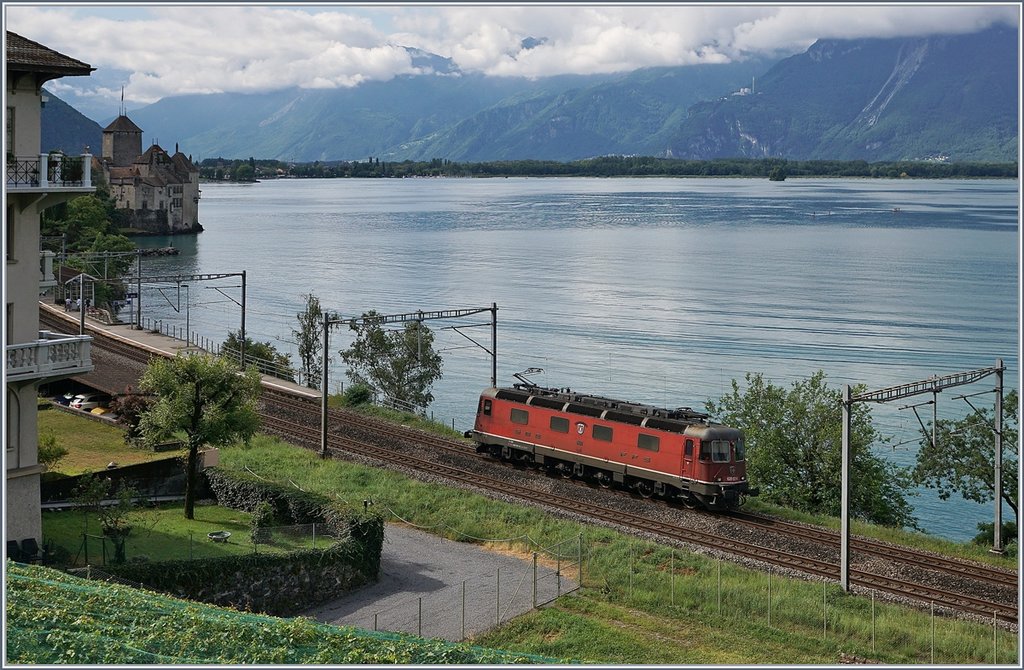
(948, 97)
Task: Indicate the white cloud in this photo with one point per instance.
(171, 50)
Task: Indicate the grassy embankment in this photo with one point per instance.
(645, 603)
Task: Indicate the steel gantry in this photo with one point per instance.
(401, 318)
(932, 385)
(178, 278)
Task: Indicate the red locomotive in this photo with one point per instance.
(675, 454)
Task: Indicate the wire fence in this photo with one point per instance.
(481, 602)
(644, 577)
(673, 582)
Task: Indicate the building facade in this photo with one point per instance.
(157, 192)
(35, 181)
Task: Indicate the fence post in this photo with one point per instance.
(535, 580)
(672, 571)
(872, 622)
(375, 621)
(824, 612)
(579, 557)
(558, 571)
(719, 586)
(497, 598)
(933, 632)
(629, 592)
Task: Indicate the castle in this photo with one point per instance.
(157, 192)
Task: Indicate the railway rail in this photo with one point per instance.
(302, 426)
(978, 571)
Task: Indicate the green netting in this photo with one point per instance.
(54, 618)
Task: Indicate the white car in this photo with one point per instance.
(89, 401)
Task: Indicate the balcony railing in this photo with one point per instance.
(53, 355)
(49, 172)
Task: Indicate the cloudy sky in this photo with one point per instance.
(156, 50)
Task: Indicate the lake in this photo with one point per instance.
(652, 290)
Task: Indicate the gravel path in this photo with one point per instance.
(420, 590)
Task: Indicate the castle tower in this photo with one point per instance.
(122, 142)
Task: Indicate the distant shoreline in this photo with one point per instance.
(220, 170)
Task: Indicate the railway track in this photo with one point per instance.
(302, 426)
(866, 546)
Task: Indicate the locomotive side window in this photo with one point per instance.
(603, 433)
(705, 451)
(648, 442)
(741, 450)
(520, 416)
(487, 406)
(689, 449)
(560, 424)
(720, 451)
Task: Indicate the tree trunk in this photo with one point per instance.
(191, 476)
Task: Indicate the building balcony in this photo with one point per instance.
(52, 356)
(49, 173)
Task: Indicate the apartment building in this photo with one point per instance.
(35, 181)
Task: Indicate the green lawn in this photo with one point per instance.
(91, 444)
(163, 533)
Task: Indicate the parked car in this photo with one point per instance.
(64, 399)
(88, 401)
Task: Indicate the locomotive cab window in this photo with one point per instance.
(721, 451)
(520, 416)
(705, 451)
(560, 424)
(741, 450)
(689, 449)
(603, 433)
(648, 442)
(485, 406)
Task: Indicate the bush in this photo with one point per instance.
(1009, 536)
(357, 394)
(50, 452)
(259, 523)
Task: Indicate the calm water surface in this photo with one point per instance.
(655, 290)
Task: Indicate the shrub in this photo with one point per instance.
(357, 394)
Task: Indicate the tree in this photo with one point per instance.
(50, 451)
(130, 408)
(115, 520)
(962, 460)
(401, 364)
(264, 355)
(310, 339)
(205, 398)
(794, 450)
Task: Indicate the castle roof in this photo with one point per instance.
(24, 55)
(122, 124)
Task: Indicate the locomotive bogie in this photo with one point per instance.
(675, 455)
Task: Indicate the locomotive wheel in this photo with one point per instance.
(645, 488)
(604, 480)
